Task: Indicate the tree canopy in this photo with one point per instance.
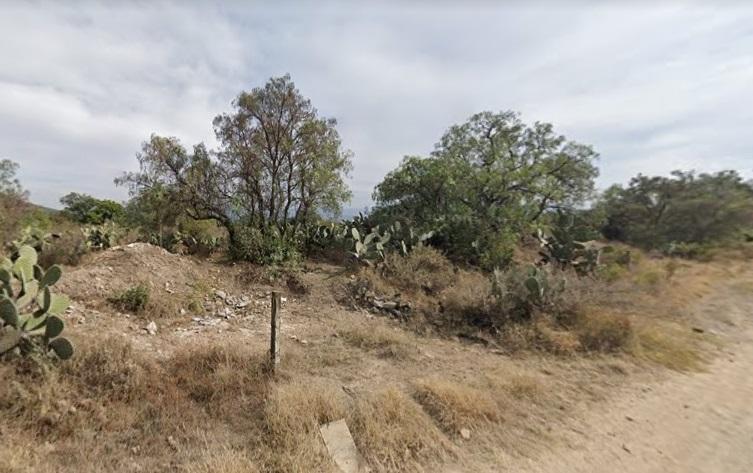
(278, 164)
(86, 209)
(491, 175)
(686, 207)
(9, 184)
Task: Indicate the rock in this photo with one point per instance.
(151, 328)
(465, 433)
(698, 330)
(172, 442)
(221, 295)
(182, 311)
(341, 447)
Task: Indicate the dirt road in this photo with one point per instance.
(701, 422)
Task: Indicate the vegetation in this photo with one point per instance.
(493, 174)
(29, 321)
(88, 210)
(685, 209)
(133, 299)
(278, 166)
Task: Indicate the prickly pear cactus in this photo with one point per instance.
(29, 321)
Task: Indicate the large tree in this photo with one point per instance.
(278, 164)
(685, 207)
(84, 208)
(491, 175)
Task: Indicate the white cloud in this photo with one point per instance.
(652, 87)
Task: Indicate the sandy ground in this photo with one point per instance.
(700, 422)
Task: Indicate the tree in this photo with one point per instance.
(83, 208)
(9, 184)
(653, 212)
(278, 165)
(13, 202)
(490, 176)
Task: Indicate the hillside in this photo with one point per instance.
(190, 392)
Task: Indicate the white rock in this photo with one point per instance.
(151, 328)
(465, 433)
(221, 294)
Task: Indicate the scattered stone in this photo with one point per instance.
(698, 330)
(182, 311)
(624, 447)
(172, 442)
(465, 433)
(630, 419)
(220, 294)
(151, 328)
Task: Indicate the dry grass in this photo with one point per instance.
(292, 415)
(456, 406)
(394, 434)
(668, 345)
(222, 461)
(423, 269)
(603, 332)
(385, 341)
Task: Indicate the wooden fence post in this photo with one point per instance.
(274, 348)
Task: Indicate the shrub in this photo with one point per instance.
(519, 292)
(611, 272)
(424, 268)
(133, 299)
(102, 237)
(604, 332)
(68, 249)
(268, 247)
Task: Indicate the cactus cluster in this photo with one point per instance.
(34, 237)
(29, 310)
(522, 291)
(561, 249)
(396, 237)
(102, 237)
(367, 243)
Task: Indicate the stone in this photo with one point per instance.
(340, 445)
(465, 433)
(151, 328)
(221, 294)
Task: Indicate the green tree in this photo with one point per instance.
(278, 166)
(652, 212)
(13, 201)
(9, 184)
(488, 180)
(83, 208)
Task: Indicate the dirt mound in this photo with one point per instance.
(122, 267)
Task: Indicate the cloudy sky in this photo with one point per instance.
(653, 88)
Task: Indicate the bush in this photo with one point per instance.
(268, 247)
(68, 249)
(520, 292)
(604, 332)
(133, 299)
(424, 268)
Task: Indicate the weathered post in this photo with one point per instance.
(274, 348)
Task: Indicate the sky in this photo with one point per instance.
(653, 86)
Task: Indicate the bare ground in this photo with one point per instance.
(700, 422)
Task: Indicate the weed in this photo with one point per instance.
(133, 299)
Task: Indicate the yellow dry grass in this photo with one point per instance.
(395, 434)
(455, 406)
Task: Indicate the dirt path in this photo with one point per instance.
(701, 422)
